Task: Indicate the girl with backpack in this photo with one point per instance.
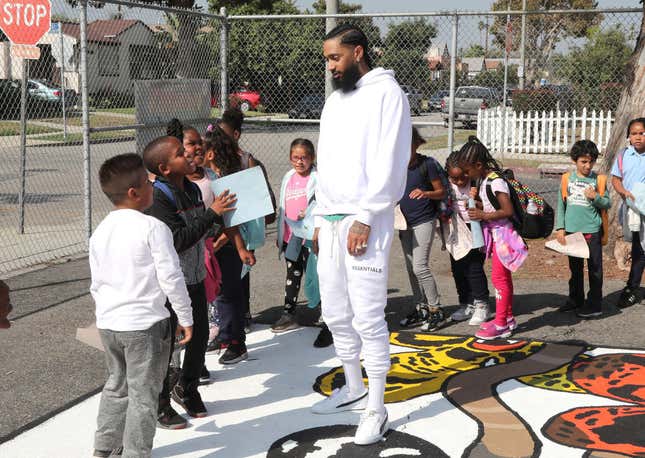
(420, 207)
(468, 271)
(504, 246)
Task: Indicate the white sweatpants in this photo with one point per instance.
(353, 292)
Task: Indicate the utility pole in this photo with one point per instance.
(330, 23)
(522, 74)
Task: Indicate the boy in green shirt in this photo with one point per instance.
(580, 205)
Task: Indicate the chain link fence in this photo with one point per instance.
(528, 91)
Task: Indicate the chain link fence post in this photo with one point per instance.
(453, 83)
(23, 145)
(330, 24)
(224, 60)
(87, 171)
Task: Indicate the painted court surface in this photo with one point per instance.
(446, 396)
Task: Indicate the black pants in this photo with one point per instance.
(638, 263)
(470, 278)
(230, 301)
(577, 280)
(246, 284)
(195, 348)
(295, 272)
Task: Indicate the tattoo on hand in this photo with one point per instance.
(359, 228)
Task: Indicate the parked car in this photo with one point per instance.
(414, 98)
(245, 99)
(468, 101)
(563, 94)
(49, 95)
(308, 107)
(434, 104)
(10, 95)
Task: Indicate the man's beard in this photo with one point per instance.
(347, 82)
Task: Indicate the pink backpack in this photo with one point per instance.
(213, 280)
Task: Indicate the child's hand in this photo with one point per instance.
(247, 257)
(186, 331)
(590, 193)
(223, 203)
(473, 192)
(417, 194)
(219, 243)
(476, 214)
(559, 236)
(629, 195)
(301, 215)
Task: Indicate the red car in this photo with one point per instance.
(243, 98)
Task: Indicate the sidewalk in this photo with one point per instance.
(45, 369)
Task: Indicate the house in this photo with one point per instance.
(472, 66)
(119, 51)
(438, 58)
(498, 63)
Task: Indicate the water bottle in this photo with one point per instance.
(476, 228)
(532, 208)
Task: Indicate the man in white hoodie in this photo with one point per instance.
(363, 153)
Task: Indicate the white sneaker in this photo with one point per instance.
(463, 313)
(480, 314)
(371, 427)
(340, 400)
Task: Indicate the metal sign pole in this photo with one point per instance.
(23, 146)
(62, 79)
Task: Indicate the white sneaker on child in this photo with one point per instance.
(480, 314)
(371, 427)
(340, 400)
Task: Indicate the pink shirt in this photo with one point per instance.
(462, 195)
(295, 200)
(204, 185)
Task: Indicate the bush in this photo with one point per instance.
(534, 100)
(111, 99)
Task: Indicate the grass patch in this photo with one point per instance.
(96, 120)
(94, 136)
(129, 110)
(10, 128)
(441, 141)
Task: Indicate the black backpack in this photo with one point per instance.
(536, 225)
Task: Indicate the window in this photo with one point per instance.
(108, 60)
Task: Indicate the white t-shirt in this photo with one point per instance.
(497, 185)
(134, 268)
(462, 195)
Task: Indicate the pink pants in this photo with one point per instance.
(503, 282)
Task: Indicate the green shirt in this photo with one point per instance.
(580, 214)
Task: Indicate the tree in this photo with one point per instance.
(474, 51)
(543, 31)
(596, 69)
(630, 106)
(495, 78)
(405, 46)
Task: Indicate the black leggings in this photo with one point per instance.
(638, 263)
(295, 272)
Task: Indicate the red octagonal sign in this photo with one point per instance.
(25, 22)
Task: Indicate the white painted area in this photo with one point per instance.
(399, 451)
(536, 406)
(266, 398)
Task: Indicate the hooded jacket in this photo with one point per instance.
(363, 149)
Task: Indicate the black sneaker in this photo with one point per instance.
(416, 317)
(190, 400)
(286, 322)
(204, 376)
(108, 453)
(628, 297)
(324, 338)
(235, 352)
(569, 306)
(436, 320)
(588, 312)
(168, 418)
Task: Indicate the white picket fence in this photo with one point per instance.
(508, 132)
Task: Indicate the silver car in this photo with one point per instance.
(414, 98)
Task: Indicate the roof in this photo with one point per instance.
(102, 31)
(474, 63)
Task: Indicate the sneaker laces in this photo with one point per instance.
(368, 415)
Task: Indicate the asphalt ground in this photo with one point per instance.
(44, 369)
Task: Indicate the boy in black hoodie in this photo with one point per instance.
(178, 203)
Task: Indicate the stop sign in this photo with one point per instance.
(25, 22)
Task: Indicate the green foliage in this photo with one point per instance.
(534, 100)
(403, 51)
(543, 31)
(600, 63)
(495, 78)
(474, 51)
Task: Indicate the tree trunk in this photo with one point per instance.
(188, 59)
(629, 107)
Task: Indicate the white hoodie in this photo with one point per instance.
(364, 148)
